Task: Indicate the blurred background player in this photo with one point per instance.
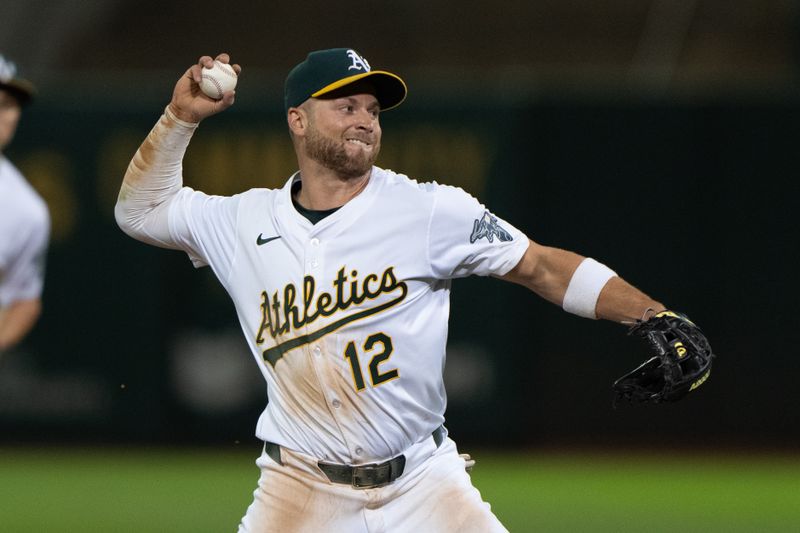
(24, 223)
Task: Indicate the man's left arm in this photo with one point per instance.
(581, 285)
(680, 356)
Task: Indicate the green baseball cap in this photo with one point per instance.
(324, 71)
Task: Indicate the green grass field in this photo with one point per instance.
(73, 490)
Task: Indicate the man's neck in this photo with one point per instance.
(323, 189)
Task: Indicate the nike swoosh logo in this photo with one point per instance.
(261, 240)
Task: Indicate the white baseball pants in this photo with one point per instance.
(434, 495)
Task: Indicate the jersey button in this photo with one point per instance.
(317, 351)
(314, 242)
(336, 404)
(314, 263)
(359, 450)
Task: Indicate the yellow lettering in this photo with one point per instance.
(700, 381)
(279, 318)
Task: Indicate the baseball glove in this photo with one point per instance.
(682, 361)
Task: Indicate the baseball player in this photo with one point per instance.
(341, 282)
(24, 223)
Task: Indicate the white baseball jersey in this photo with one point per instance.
(347, 318)
(24, 234)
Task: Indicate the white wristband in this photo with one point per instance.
(584, 288)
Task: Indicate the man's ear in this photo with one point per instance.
(297, 120)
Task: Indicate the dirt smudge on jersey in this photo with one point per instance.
(160, 143)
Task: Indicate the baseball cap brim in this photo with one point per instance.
(22, 90)
(390, 89)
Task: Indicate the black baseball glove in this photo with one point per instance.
(682, 361)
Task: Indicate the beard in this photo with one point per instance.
(333, 155)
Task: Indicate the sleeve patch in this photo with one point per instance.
(488, 227)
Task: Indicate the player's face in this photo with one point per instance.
(9, 117)
(344, 133)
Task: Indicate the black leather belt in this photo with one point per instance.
(361, 476)
(365, 476)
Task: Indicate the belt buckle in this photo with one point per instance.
(367, 476)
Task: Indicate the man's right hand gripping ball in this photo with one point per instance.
(681, 361)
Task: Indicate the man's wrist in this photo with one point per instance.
(177, 115)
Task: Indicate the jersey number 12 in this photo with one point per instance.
(375, 375)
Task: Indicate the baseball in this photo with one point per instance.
(218, 80)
